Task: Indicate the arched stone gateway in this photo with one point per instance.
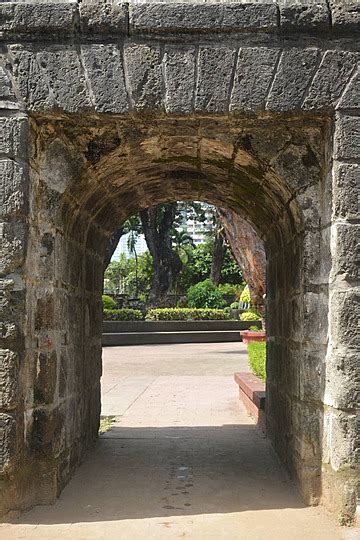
(107, 108)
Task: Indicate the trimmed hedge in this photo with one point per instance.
(123, 315)
(186, 314)
(257, 358)
(250, 316)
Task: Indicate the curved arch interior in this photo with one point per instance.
(89, 176)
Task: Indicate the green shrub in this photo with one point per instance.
(108, 302)
(123, 315)
(257, 358)
(250, 316)
(254, 328)
(230, 288)
(245, 295)
(234, 305)
(185, 314)
(205, 295)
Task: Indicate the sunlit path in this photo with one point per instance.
(182, 460)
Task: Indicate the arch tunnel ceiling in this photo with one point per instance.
(113, 167)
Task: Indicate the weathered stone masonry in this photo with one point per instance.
(107, 108)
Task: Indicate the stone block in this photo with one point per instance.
(312, 370)
(8, 442)
(103, 17)
(347, 138)
(12, 252)
(346, 251)
(304, 15)
(345, 310)
(43, 18)
(330, 80)
(9, 379)
(30, 78)
(144, 74)
(6, 90)
(253, 75)
(343, 439)
(346, 190)
(13, 188)
(51, 78)
(45, 377)
(345, 15)
(47, 432)
(179, 76)
(295, 71)
(298, 165)
(343, 380)
(215, 67)
(351, 96)
(65, 75)
(14, 137)
(105, 74)
(250, 16)
(308, 201)
(163, 17)
(45, 315)
(192, 17)
(315, 322)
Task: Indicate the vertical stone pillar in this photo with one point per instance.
(341, 478)
(14, 231)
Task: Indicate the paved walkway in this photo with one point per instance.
(182, 460)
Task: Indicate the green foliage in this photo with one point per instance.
(108, 302)
(257, 358)
(145, 271)
(205, 295)
(120, 276)
(245, 295)
(254, 329)
(230, 288)
(185, 314)
(250, 316)
(234, 305)
(106, 423)
(123, 315)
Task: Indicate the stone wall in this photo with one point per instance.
(110, 108)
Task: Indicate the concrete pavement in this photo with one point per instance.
(182, 460)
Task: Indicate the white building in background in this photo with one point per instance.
(196, 229)
(122, 247)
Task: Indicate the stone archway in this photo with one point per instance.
(95, 130)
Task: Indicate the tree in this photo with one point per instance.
(218, 250)
(116, 273)
(133, 226)
(157, 223)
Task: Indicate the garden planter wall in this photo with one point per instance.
(249, 336)
(252, 393)
(117, 333)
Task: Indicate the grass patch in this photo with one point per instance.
(257, 358)
(105, 423)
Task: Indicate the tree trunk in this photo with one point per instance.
(156, 224)
(248, 251)
(218, 257)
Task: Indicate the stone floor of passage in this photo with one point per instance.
(181, 460)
